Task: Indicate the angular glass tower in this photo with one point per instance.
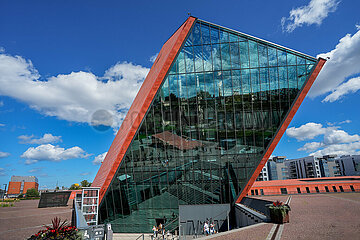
(204, 123)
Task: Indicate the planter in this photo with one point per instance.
(279, 213)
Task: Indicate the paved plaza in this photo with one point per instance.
(25, 218)
(312, 216)
(326, 216)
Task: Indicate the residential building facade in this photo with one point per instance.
(20, 184)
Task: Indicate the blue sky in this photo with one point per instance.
(61, 61)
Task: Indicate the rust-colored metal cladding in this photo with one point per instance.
(139, 107)
(284, 125)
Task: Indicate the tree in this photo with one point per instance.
(85, 183)
(32, 192)
(75, 186)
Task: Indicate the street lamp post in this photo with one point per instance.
(5, 191)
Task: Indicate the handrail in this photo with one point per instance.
(80, 219)
(173, 228)
(171, 222)
(142, 235)
(212, 219)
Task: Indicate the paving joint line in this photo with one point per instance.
(35, 215)
(346, 199)
(271, 233)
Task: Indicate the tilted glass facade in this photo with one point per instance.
(207, 128)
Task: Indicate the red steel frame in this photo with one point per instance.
(139, 107)
(283, 127)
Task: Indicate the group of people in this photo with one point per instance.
(209, 228)
(159, 231)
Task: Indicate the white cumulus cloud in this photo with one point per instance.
(351, 86)
(46, 138)
(307, 131)
(311, 146)
(313, 13)
(335, 140)
(49, 152)
(74, 96)
(334, 136)
(341, 65)
(99, 158)
(2, 172)
(339, 149)
(4, 154)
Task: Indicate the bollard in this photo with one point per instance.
(109, 232)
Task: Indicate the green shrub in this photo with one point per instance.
(32, 192)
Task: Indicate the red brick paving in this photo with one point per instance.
(322, 216)
(313, 216)
(25, 218)
(255, 232)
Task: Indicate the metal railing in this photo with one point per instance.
(198, 229)
(142, 236)
(80, 221)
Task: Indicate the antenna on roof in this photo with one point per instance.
(189, 14)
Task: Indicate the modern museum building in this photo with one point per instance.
(205, 121)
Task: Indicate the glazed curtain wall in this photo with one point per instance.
(207, 128)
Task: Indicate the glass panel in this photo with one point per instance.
(199, 66)
(225, 56)
(272, 56)
(283, 77)
(235, 55)
(233, 37)
(254, 60)
(214, 32)
(244, 54)
(205, 33)
(189, 59)
(301, 74)
(245, 78)
(224, 36)
(227, 83)
(300, 60)
(196, 33)
(216, 56)
(263, 60)
(292, 77)
(208, 64)
(291, 59)
(180, 63)
(236, 79)
(281, 58)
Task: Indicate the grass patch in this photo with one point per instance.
(10, 200)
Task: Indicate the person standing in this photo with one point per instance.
(155, 231)
(206, 228)
(163, 233)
